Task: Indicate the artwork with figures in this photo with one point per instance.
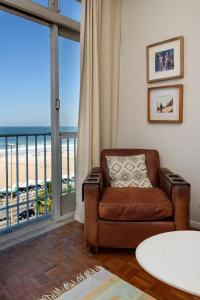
(165, 60)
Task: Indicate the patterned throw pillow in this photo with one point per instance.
(128, 171)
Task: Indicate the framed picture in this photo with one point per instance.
(165, 60)
(165, 104)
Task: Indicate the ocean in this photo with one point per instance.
(31, 139)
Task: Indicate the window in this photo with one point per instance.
(29, 131)
(24, 72)
(41, 2)
(69, 82)
(69, 78)
(71, 9)
(25, 153)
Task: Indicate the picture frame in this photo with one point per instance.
(165, 60)
(165, 104)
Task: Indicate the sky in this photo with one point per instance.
(25, 71)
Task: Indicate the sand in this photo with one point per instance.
(31, 166)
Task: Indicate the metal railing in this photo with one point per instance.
(25, 176)
(68, 142)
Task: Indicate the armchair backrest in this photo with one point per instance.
(151, 157)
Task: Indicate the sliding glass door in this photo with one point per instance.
(69, 83)
(25, 123)
(39, 97)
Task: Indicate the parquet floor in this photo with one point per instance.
(33, 268)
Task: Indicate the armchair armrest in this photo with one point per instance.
(92, 190)
(178, 190)
(94, 179)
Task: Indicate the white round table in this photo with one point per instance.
(174, 258)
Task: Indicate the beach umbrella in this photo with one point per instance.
(23, 185)
(31, 182)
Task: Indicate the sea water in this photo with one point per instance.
(39, 130)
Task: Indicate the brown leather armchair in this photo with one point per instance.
(123, 217)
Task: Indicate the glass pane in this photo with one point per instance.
(41, 2)
(69, 77)
(24, 73)
(25, 110)
(71, 9)
(69, 80)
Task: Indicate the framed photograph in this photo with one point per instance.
(165, 60)
(165, 104)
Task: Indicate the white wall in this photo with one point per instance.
(145, 22)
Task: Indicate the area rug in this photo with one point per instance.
(97, 284)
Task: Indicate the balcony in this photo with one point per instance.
(25, 177)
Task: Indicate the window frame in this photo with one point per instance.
(66, 27)
(46, 14)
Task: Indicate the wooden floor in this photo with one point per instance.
(33, 268)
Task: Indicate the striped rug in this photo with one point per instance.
(97, 284)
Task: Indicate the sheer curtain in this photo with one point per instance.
(100, 47)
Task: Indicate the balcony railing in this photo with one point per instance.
(68, 162)
(25, 176)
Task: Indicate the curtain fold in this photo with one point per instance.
(98, 110)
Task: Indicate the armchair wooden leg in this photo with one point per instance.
(94, 250)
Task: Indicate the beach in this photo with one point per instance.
(22, 158)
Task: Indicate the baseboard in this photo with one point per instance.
(195, 224)
(33, 230)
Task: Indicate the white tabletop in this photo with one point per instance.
(174, 258)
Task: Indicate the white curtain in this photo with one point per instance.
(98, 112)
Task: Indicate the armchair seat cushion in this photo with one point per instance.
(134, 204)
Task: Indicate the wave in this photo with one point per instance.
(40, 148)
